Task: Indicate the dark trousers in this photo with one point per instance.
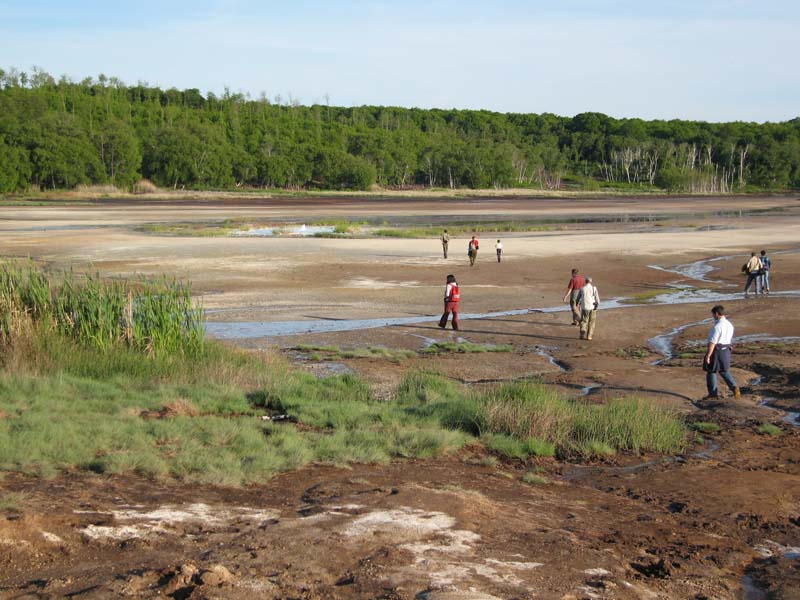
(444, 249)
(450, 307)
(751, 277)
(499, 253)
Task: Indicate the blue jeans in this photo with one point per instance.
(711, 382)
(764, 281)
(751, 277)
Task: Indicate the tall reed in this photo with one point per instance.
(152, 315)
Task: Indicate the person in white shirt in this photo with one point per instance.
(499, 248)
(589, 300)
(718, 355)
(753, 271)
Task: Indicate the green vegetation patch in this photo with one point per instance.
(461, 229)
(195, 229)
(465, 348)
(770, 429)
(334, 352)
(706, 427)
(90, 393)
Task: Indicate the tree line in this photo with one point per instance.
(56, 134)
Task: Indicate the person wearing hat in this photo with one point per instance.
(589, 300)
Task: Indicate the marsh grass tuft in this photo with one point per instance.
(770, 429)
(705, 427)
(156, 316)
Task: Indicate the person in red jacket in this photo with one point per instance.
(451, 299)
(472, 250)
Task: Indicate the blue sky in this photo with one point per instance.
(701, 59)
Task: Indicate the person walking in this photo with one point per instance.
(589, 299)
(766, 265)
(445, 242)
(472, 250)
(498, 247)
(718, 354)
(574, 286)
(452, 297)
(753, 271)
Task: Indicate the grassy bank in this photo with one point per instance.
(206, 412)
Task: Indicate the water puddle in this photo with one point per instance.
(790, 418)
(544, 351)
(297, 230)
(662, 344)
(255, 329)
(247, 330)
(696, 270)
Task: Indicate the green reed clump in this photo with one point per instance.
(155, 316)
(575, 427)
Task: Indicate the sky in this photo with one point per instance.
(734, 60)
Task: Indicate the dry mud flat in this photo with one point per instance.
(721, 521)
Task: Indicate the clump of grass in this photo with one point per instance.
(527, 410)
(195, 229)
(533, 478)
(770, 429)
(634, 352)
(465, 348)
(334, 352)
(706, 427)
(156, 316)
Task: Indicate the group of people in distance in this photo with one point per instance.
(472, 248)
(757, 270)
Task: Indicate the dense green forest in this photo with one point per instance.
(59, 133)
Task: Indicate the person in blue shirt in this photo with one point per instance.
(766, 265)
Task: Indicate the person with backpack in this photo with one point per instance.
(452, 297)
(766, 265)
(753, 271)
(472, 250)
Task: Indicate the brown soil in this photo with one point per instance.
(722, 521)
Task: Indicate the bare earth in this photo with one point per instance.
(723, 521)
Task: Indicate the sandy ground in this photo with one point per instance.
(723, 521)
